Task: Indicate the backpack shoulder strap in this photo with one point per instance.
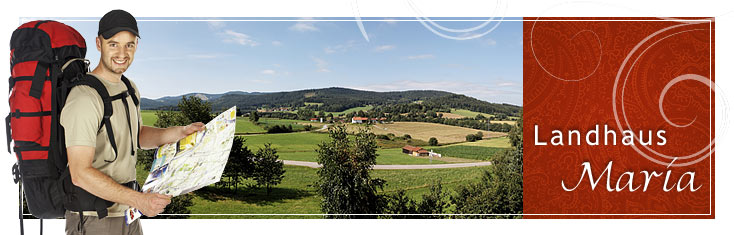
(130, 90)
(93, 82)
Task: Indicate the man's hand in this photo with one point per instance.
(152, 204)
(193, 127)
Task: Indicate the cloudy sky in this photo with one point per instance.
(177, 56)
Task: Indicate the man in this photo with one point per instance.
(93, 165)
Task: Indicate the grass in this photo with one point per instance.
(312, 103)
(245, 126)
(149, 117)
(298, 125)
(469, 152)
(297, 195)
(499, 142)
(468, 113)
(352, 110)
(287, 142)
(302, 147)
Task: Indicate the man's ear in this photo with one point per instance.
(99, 43)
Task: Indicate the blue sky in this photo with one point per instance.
(176, 56)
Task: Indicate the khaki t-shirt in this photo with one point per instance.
(81, 118)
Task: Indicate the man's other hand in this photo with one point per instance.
(152, 204)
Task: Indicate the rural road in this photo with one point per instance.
(397, 167)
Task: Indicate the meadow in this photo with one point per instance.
(297, 194)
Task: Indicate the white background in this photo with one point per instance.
(723, 12)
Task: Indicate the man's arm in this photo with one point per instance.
(97, 183)
(153, 137)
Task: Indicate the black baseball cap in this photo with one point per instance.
(116, 21)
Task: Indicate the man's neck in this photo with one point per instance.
(106, 74)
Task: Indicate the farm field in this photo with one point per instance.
(451, 115)
(479, 150)
(499, 142)
(424, 131)
(468, 113)
(245, 126)
(302, 147)
(512, 123)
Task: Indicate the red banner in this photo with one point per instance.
(618, 118)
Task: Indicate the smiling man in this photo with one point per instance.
(105, 169)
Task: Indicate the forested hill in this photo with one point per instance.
(333, 99)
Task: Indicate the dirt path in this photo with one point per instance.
(396, 167)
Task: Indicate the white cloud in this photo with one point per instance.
(384, 48)
(277, 43)
(341, 47)
(421, 57)
(506, 84)
(490, 42)
(239, 38)
(321, 65)
(268, 72)
(304, 26)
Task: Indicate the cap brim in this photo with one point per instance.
(109, 33)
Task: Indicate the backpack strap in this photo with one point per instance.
(93, 82)
(131, 91)
(39, 76)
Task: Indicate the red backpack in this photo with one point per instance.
(46, 61)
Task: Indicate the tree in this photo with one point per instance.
(400, 203)
(471, 137)
(195, 109)
(254, 116)
(433, 141)
(435, 202)
(344, 181)
(170, 118)
(305, 114)
(480, 135)
(240, 164)
(269, 170)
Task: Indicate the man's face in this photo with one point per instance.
(118, 51)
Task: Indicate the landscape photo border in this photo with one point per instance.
(357, 20)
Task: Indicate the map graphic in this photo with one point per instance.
(195, 161)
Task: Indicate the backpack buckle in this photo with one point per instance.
(16, 173)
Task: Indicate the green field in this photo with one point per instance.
(355, 109)
(469, 152)
(149, 117)
(302, 147)
(245, 126)
(297, 195)
(298, 125)
(498, 142)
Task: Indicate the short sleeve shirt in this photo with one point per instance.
(81, 118)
